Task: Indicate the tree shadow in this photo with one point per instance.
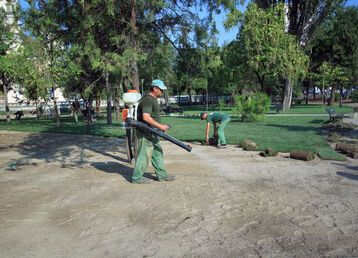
(296, 127)
(117, 168)
(347, 175)
(346, 166)
(317, 121)
(70, 149)
(194, 117)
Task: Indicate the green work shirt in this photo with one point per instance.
(149, 104)
(216, 117)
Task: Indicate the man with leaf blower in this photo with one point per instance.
(148, 143)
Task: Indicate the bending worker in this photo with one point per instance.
(148, 144)
(216, 118)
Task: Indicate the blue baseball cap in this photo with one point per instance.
(160, 84)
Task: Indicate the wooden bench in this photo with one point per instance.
(19, 114)
(278, 108)
(333, 115)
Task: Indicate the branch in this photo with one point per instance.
(171, 42)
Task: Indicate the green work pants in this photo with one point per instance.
(221, 128)
(148, 149)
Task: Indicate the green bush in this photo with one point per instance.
(355, 96)
(337, 96)
(221, 104)
(298, 101)
(252, 107)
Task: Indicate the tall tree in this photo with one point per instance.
(303, 18)
(335, 50)
(41, 22)
(114, 35)
(270, 52)
(9, 42)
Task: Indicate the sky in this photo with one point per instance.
(225, 36)
(228, 35)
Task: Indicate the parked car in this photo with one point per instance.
(172, 109)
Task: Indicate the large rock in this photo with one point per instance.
(248, 145)
(302, 155)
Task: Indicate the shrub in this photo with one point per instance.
(337, 96)
(252, 107)
(298, 101)
(355, 96)
(221, 104)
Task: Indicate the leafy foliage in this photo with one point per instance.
(355, 96)
(269, 49)
(252, 107)
(221, 104)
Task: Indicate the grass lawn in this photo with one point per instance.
(295, 109)
(281, 133)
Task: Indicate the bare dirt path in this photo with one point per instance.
(70, 196)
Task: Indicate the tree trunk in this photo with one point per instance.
(232, 98)
(306, 97)
(287, 99)
(133, 35)
(7, 109)
(307, 91)
(109, 99)
(89, 115)
(57, 115)
(166, 97)
(189, 93)
(340, 97)
(98, 104)
(331, 98)
(117, 107)
(261, 80)
(124, 85)
(207, 95)
(116, 101)
(37, 110)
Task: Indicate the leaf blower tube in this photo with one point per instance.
(146, 128)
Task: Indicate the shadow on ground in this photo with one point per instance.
(352, 172)
(69, 150)
(117, 168)
(347, 175)
(347, 166)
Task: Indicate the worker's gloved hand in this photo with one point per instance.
(165, 128)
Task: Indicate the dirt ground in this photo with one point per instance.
(70, 196)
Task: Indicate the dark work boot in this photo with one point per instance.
(168, 179)
(143, 180)
(221, 146)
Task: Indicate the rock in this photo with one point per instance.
(248, 145)
(269, 153)
(333, 137)
(302, 155)
(350, 149)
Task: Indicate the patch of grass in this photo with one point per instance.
(317, 109)
(280, 133)
(329, 155)
(99, 128)
(295, 109)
